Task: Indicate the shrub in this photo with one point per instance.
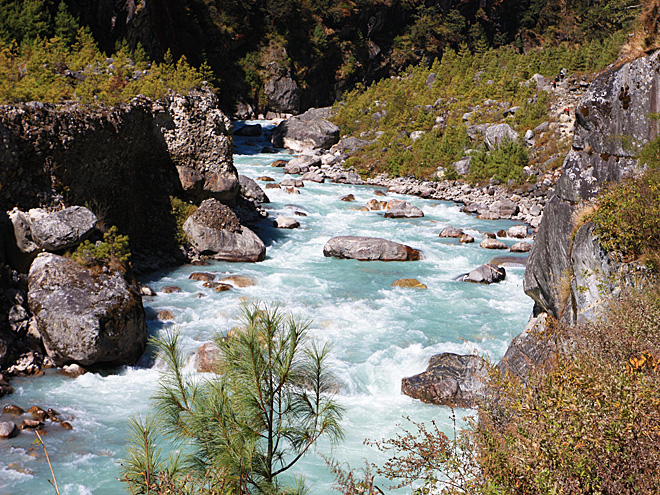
(591, 424)
(114, 247)
(627, 215)
(181, 211)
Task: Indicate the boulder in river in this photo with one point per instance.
(485, 274)
(8, 429)
(450, 231)
(369, 249)
(83, 316)
(397, 208)
(517, 231)
(311, 130)
(248, 130)
(63, 229)
(206, 358)
(489, 243)
(286, 223)
(449, 380)
(301, 164)
(292, 183)
(251, 190)
(466, 239)
(214, 230)
(521, 247)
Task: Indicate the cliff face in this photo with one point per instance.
(123, 162)
(568, 274)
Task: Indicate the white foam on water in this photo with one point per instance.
(378, 333)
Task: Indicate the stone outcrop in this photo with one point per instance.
(369, 249)
(214, 231)
(311, 130)
(198, 137)
(449, 380)
(124, 162)
(84, 316)
(612, 123)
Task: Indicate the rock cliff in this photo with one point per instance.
(124, 162)
(613, 123)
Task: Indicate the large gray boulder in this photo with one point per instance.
(499, 133)
(301, 164)
(369, 249)
(311, 130)
(83, 316)
(251, 190)
(198, 138)
(214, 230)
(449, 380)
(63, 229)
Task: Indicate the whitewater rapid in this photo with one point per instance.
(379, 334)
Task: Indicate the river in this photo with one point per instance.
(379, 334)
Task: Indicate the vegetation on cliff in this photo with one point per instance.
(461, 89)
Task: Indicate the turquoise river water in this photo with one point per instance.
(379, 334)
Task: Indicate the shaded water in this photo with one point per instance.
(379, 334)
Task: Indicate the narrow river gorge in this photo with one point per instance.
(379, 334)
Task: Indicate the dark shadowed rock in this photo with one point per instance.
(449, 380)
(63, 229)
(248, 130)
(214, 230)
(310, 130)
(369, 249)
(251, 190)
(282, 94)
(485, 274)
(86, 317)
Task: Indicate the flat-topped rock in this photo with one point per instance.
(489, 243)
(369, 249)
(286, 223)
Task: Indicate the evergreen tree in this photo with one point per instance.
(270, 402)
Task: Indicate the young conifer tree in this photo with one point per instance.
(271, 400)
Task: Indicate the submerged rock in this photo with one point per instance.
(411, 283)
(214, 230)
(84, 316)
(369, 249)
(449, 380)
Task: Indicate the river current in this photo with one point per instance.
(379, 334)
